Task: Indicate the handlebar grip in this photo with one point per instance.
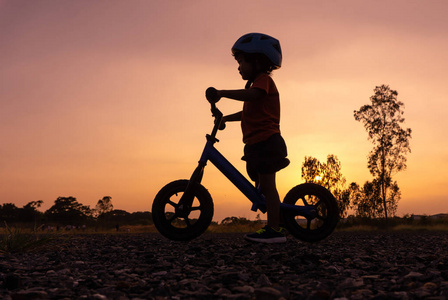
(212, 95)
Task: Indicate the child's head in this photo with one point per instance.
(259, 63)
(262, 51)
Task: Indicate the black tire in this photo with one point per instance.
(186, 227)
(318, 227)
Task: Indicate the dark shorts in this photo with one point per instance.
(266, 157)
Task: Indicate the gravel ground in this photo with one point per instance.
(347, 265)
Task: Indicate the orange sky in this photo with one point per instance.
(106, 98)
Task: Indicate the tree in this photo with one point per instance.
(329, 176)
(382, 119)
(235, 221)
(114, 217)
(104, 205)
(33, 205)
(29, 212)
(68, 211)
(9, 212)
(367, 202)
(355, 195)
(140, 218)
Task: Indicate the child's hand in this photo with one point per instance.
(212, 95)
(222, 125)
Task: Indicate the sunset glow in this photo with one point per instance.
(107, 97)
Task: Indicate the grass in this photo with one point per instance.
(13, 240)
(400, 227)
(213, 228)
(357, 228)
(16, 240)
(136, 229)
(435, 227)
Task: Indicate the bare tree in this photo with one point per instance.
(383, 119)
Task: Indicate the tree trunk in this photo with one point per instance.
(383, 180)
(383, 194)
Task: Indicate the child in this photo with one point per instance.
(265, 150)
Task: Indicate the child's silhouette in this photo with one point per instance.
(265, 150)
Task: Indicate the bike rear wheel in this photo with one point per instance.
(178, 222)
(324, 220)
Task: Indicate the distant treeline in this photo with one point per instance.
(67, 211)
(414, 220)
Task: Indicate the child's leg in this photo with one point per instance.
(269, 190)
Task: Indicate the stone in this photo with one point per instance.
(267, 293)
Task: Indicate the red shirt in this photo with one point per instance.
(261, 118)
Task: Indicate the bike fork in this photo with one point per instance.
(186, 201)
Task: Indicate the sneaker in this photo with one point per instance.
(283, 230)
(267, 235)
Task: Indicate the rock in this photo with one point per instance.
(320, 295)
(99, 297)
(350, 283)
(263, 280)
(244, 289)
(12, 282)
(161, 273)
(414, 275)
(267, 293)
(223, 292)
(29, 294)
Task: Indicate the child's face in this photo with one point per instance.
(245, 68)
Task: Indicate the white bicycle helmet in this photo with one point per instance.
(260, 43)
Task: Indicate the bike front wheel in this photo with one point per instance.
(321, 222)
(177, 222)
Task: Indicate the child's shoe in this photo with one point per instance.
(267, 235)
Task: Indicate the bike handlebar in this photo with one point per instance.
(212, 96)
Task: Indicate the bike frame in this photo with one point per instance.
(210, 153)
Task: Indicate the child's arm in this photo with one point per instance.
(232, 117)
(242, 95)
